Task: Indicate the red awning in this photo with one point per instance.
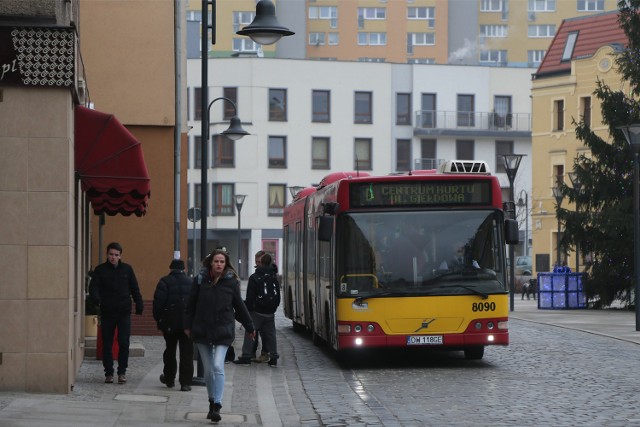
(110, 164)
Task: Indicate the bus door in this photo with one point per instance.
(300, 283)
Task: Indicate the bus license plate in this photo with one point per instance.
(424, 340)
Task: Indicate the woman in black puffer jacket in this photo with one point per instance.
(214, 304)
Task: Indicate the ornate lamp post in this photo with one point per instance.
(577, 185)
(632, 135)
(557, 194)
(511, 165)
(263, 30)
(239, 202)
(524, 203)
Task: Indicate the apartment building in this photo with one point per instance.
(350, 116)
(512, 33)
(563, 86)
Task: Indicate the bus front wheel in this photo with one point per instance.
(474, 353)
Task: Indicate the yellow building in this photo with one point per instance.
(514, 33)
(563, 86)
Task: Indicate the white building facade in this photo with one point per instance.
(308, 118)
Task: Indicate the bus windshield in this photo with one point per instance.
(421, 253)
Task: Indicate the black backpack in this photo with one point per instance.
(267, 294)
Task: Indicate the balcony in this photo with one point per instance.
(472, 124)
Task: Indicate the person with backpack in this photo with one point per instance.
(169, 302)
(262, 301)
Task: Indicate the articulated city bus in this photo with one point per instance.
(411, 260)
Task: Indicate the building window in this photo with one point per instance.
(502, 116)
(320, 153)
(317, 39)
(424, 14)
(196, 199)
(278, 105)
(464, 149)
(222, 198)
(491, 31)
(403, 108)
(567, 53)
(502, 147)
(590, 5)
(232, 94)
(320, 104)
(324, 12)
(197, 106)
(585, 110)
(223, 152)
(558, 175)
(277, 199)
(421, 39)
(403, 154)
(370, 13)
(534, 57)
(541, 5)
(427, 158)
(493, 57)
(372, 39)
(466, 111)
(362, 151)
(363, 107)
(241, 19)
(491, 6)
(244, 44)
(277, 151)
(428, 110)
(542, 31)
(334, 39)
(558, 114)
(197, 152)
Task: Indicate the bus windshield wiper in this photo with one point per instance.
(469, 288)
(360, 299)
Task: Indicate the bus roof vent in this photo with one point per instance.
(465, 166)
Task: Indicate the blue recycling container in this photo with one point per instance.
(561, 290)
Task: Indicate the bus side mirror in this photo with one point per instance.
(325, 228)
(511, 232)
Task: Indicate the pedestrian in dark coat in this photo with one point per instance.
(169, 303)
(113, 285)
(214, 305)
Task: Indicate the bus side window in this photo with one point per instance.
(325, 228)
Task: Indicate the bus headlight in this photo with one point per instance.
(358, 341)
(370, 328)
(357, 328)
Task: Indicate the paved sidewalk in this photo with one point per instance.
(255, 395)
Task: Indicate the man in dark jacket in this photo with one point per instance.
(113, 284)
(263, 318)
(169, 302)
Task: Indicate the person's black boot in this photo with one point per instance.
(211, 408)
(215, 415)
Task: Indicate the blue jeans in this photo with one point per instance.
(108, 324)
(212, 357)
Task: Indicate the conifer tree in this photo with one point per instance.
(602, 224)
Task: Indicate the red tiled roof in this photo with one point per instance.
(594, 31)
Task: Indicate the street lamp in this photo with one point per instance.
(524, 203)
(577, 185)
(263, 24)
(239, 202)
(632, 135)
(557, 193)
(295, 189)
(511, 165)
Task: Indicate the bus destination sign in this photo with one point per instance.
(419, 193)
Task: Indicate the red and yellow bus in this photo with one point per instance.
(411, 260)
